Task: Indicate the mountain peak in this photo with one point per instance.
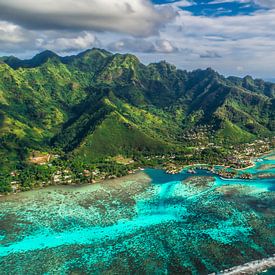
(94, 51)
(46, 54)
(11, 61)
(41, 58)
(36, 61)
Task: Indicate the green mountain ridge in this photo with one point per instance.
(96, 105)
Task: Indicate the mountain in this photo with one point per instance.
(36, 61)
(97, 105)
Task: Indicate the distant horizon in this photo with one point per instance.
(145, 62)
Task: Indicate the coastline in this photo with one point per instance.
(267, 153)
(141, 169)
(245, 168)
(125, 178)
(251, 267)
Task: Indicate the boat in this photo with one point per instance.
(191, 171)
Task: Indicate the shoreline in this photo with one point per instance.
(250, 267)
(79, 185)
(188, 166)
(267, 153)
(248, 167)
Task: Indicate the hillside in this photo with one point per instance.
(97, 105)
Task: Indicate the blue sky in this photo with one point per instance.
(235, 37)
(218, 8)
(222, 9)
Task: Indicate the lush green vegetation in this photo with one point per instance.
(94, 106)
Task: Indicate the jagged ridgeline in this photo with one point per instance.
(96, 104)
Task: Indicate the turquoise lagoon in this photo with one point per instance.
(148, 223)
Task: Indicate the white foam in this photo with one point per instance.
(250, 267)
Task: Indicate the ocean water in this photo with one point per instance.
(270, 271)
(148, 223)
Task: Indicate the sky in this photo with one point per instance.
(234, 37)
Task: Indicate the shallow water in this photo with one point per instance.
(148, 223)
(270, 271)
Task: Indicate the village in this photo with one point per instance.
(237, 158)
(48, 169)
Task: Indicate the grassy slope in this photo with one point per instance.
(232, 132)
(117, 136)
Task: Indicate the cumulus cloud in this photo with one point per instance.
(10, 33)
(165, 46)
(82, 41)
(142, 45)
(135, 17)
(180, 3)
(134, 45)
(14, 39)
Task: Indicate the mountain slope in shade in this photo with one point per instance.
(96, 104)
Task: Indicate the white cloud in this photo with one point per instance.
(165, 46)
(67, 44)
(135, 17)
(132, 45)
(265, 3)
(10, 33)
(181, 3)
(143, 45)
(14, 39)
